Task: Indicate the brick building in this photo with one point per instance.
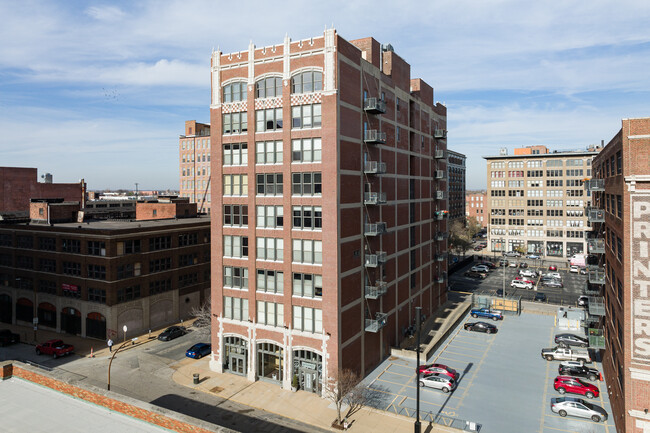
(476, 207)
(536, 201)
(457, 175)
(194, 164)
(620, 269)
(92, 277)
(19, 184)
(359, 167)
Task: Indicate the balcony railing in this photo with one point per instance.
(440, 133)
(440, 154)
(596, 338)
(441, 236)
(591, 290)
(441, 257)
(373, 136)
(595, 215)
(441, 214)
(596, 275)
(374, 260)
(374, 106)
(596, 245)
(440, 174)
(374, 167)
(374, 229)
(379, 289)
(596, 306)
(374, 325)
(441, 195)
(595, 185)
(374, 197)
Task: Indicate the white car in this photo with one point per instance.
(513, 264)
(528, 273)
(574, 269)
(480, 268)
(572, 364)
(555, 275)
(517, 284)
(438, 381)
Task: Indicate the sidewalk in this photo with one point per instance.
(301, 406)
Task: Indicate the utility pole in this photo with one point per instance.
(136, 191)
(417, 426)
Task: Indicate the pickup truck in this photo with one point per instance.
(8, 337)
(561, 354)
(487, 313)
(55, 348)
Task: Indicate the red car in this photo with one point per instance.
(552, 268)
(564, 384)
(525, 280)
(438, 368)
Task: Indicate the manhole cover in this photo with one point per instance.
(216, 389)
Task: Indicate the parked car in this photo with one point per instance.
(486, 313)
(503, 262)
(532, 256)
(555, 275)
(583, 271)
(172, 332)
(526, 280)
(572, 385)
(572, 364)
(579, 371)
(512, 254)
(513, 264)
(199, 350)
(488, 328)
(552, 268)
(564, 406)
(523, 265)
(565, 354)
(7, 337)
(528, 273)
(552, 283)
(500, 292)
(518, 284)
(438, 368)
(56, 348)
(480, 268)
(438, 381)
(478, 248)
(574, 269)
(488, 264)
(476, 274)
(540, 297)
(583, 301)
(566, 340)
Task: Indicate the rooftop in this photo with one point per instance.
(545, 155)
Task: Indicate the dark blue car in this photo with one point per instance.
(199, 350)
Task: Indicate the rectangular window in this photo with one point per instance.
(47, 244)
(235, 185)
(72, 268)
(619, 206)
(235, 308)
(235, 215)
(270, 249)
(160, 243)
(96, 295)
(307, 217)
(270, 217)
(97, 272)
(268, 152)
(47, 265)
(268, 120)
(306, 116)
(235, 154)
(270, 281)
(188, 239)
(306, 183)
(159, 265)
(235, 123)
(307, 251)
(188, 280)
(96, 248)
(235, 246)
(308, 285)
(160, 286)
(269, 184)
(270, 313)
(235, 277)
(306, 150)
(307, 319)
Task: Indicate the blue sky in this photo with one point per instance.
(101, 90)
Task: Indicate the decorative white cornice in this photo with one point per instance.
(631, 181)
(251, 63)
(330, 51)
(639, 374)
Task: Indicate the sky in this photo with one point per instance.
(101, 90)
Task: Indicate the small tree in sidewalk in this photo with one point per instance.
(203, 322)
(345, 389)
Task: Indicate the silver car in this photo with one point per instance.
(438, 381)
(564, 406)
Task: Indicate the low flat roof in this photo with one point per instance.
(544, 155)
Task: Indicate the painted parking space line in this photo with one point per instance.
(545, 394)
(391, 403)
(462, 346)
(478, 368)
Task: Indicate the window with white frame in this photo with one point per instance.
(268, 152)
(270, 217)
(307, 319)
(306, 116)
(235, 308)
(268, 120)
(307, 285)
(235, 123)
(234, 92)
(270, 313)
(268, 87)
(235, 246)
(305, 82)
(306, 150)
(307, 251)
(270, 249)
(235, 184)
(306, 183)
(308, 217)
(235, 277)
(269, 184)
(270, 281)
(234, 154)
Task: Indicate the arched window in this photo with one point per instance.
(305, 82)
(234, 92)
(268, 87)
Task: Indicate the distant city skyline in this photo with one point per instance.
(105, 99)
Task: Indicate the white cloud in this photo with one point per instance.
(105, 13)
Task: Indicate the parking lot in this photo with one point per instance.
(573, 282)
(505, 386)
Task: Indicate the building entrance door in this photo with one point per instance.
(237, 364)
(308, 380)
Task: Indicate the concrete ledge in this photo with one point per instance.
(539, 308)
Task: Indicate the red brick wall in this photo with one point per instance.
(18, 185)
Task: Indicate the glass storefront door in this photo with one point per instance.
(269, 361)
(235, 355)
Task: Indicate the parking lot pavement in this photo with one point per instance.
(504, 385)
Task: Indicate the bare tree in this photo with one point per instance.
(459, 238)
(203, 321)
(345, 390)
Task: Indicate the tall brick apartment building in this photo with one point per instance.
(476, 207)
(194, 165)
(621, 270)
(457, 175)
(352, 150)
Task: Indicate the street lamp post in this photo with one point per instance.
(111, 362)
(417, 426)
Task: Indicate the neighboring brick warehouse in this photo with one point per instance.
(619, 272)
(194, 165)
(18, 185)
(476, 207)
(352, 151)
(457, 174)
